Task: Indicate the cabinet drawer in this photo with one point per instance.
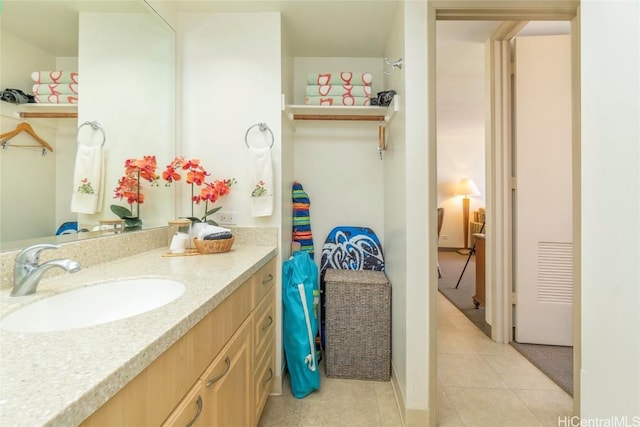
(264, 280)
(189, 411)
(263, 381)
(264, 323)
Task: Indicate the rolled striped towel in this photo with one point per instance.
(55, 76)
(55, 89)
(341, 78)
(56, 99)
(339, 90)
(345, 100)
(302, 219)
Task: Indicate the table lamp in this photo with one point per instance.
(466, 188)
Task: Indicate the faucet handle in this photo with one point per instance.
(31, 255)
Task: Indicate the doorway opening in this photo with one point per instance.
(498, 181)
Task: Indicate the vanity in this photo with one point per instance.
(206, 357)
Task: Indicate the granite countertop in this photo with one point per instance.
(60, 378)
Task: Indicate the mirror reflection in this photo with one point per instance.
(124, 56)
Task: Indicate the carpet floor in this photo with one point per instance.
(555, 361)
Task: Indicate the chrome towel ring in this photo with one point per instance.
(96, 127)
(263, 128)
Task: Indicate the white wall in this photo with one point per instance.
(337, 163)
(127, 85)
(419, 220)
(461, 128)
(230, 79)
(610, 376)
(395, 202)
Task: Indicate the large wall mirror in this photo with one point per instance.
(124, 54)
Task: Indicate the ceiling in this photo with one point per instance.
(313, 27)
(316, 28)
(53, 25)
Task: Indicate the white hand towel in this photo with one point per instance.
(88, 182)
(261, 181)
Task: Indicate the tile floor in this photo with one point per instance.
(484, 384)
(339, 402)
(480, 383)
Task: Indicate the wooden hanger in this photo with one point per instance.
(25, 127)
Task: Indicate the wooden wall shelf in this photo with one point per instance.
(48, 111)
(342, 113)
(47, 115)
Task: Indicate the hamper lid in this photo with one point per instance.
(368, 277)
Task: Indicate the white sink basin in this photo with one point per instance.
(93, 305)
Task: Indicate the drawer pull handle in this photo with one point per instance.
(267, 323)
(199, 403)
(265, 382)
(227, 361)
(268, 279)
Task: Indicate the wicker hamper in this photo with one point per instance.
(357, 324)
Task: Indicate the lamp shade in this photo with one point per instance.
(467, 187)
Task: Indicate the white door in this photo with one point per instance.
(543, 215)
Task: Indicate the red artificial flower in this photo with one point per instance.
(196, 175)
(209, 192)
(134, 170)
(171, 175)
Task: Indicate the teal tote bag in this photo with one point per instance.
(300, 322)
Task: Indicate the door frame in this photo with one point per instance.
(499, 247)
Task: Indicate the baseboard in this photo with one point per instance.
(417, 418)
(278, 382)
(397, 392)
(276, 389)
(409, 417)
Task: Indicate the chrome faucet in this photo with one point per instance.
(27, 273)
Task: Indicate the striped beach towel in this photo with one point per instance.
(301, 219)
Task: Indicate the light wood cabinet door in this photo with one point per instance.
(227, 384)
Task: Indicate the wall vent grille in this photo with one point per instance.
(555, 272)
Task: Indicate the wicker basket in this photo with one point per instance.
(213, 246)
(357, 324)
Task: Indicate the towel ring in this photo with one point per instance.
(95, 126)
(263, 127)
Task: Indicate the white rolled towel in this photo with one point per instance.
(211, 229)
